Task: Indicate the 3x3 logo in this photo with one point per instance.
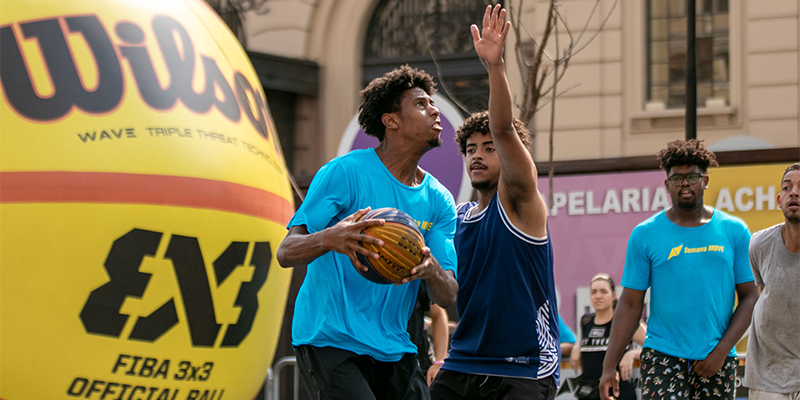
(101, 313)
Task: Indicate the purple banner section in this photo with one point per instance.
(590, 222)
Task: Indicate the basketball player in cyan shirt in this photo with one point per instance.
(506, 345)
(349, 333)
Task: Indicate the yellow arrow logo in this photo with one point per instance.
(674, 252)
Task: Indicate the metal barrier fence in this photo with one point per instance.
(272, 386)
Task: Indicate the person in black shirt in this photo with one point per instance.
(588, 354)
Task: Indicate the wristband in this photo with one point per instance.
(437, 362)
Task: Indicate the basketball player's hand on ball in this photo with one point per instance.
(428, 268)
(345, 237)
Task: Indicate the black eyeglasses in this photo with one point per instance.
(692, 178)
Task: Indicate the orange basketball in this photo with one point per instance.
(401, 250)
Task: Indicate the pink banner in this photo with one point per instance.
(591, 219)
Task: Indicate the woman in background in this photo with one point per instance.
(589, 352)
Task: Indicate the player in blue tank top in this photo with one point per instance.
(349, 333)
(694, 259)
(506, 345)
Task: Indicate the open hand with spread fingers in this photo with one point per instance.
(346, 237)
(490, 41)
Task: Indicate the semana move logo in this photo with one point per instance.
(695, 250)
(102, 314)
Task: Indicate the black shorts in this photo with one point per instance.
(335, 374)
(668, 377)
(456, 385)
(588, 389)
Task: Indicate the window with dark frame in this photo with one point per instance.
(666, 52)
(408, 31)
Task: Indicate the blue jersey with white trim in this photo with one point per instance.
(506, 299)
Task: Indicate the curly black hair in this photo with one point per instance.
(793, 167)
(479, 122)
(383, 95)
(686, 152)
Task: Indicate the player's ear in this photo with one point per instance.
(389, 120)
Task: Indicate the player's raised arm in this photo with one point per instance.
(489, 43)
(517, 186)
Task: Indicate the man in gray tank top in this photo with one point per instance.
(773, 349)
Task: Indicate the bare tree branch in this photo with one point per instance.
(569, 32)
(530, 36)
(548, 101)
(597, 32)
(588, 19)
(540, 71)
(441, 79)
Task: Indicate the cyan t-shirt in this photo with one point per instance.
(692, 274)
(565, 335)
(337, 307)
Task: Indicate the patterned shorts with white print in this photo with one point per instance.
(672, 378)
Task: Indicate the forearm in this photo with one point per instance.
(500, 106)
(634, 354)
(641, 334)
(298, 250)
(442, 288)
(740, 321)
(575, 352)
(439, 332)
(575, 356)
(566, 349)
(626, 321)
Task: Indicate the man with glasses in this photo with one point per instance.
(694, 259)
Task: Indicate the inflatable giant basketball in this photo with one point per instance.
(142, 199)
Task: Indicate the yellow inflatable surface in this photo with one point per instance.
(142, 199)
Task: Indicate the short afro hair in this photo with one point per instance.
(793, 167)
(383, 95)
(686, 152)
(479, 122)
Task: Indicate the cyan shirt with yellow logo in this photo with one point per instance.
(337, 307)
(692, 274)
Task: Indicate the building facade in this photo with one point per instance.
(621, 99)
(622, 94)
